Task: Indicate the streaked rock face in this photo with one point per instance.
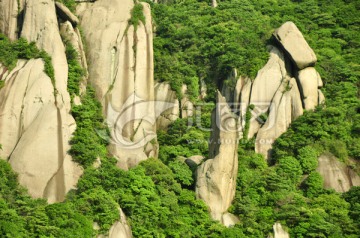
(120, 63)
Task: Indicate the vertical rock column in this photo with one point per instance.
(216, 177)
(120, 63)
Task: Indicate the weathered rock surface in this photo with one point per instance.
(121, 70)
(35, 133)
(216, 177)
(336, 175)
(187, 107)
(119, 229)
(294, 43)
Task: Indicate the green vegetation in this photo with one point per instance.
(195, 41)
(76, 73)
(137, 16)
(10, 52)
(71, 4)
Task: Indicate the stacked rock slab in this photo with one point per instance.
(286, 86)
(35, 122)
(216, 177)
(120, 63)
(304, 59)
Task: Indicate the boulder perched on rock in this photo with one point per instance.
(285, 87)
(216, 177)
(336, 175)
(294, 43)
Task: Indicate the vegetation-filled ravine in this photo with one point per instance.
(196, 42)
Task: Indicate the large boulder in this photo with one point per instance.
(34, 133)
(336, 175)
(120, 63)
(294, 43)
(216, 177)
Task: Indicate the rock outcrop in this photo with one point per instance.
(216, 177)
(336, 175)
(121, 70)
(286, 86)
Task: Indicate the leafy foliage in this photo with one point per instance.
(137, 15)
(10, 52)
(75, 73)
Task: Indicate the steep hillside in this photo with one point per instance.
(179, 118)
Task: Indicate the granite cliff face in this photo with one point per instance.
(36, 125)
(120, 63)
